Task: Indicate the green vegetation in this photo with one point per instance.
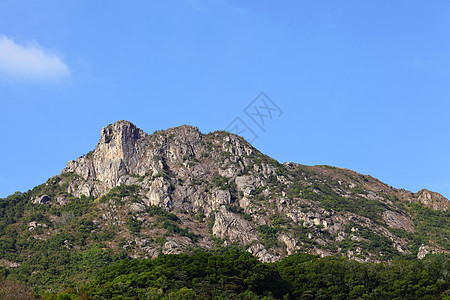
(169, 222)
(223, 183)
(119, 192)
(269, 235)
(173, 228)
(161, 214)
(220, 181)
(56, 265)
(239, 275)
(316, 188)
(329, 199)
(134, 225)
(430, 225)
(373, 242)
(80, 248)
(14, 290)
(239, 210)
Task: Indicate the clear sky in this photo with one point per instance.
(363, 85)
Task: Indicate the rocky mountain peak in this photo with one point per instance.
(120, 141)
(124, 151)
(247, 197)
(118, 152)
(184, 134)
(433, 200)
(182, 191)
(122, 132)
(184, 130)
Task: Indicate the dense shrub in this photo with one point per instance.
(238, 275)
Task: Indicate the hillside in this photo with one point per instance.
(176, 191)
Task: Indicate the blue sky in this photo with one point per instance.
(362, 85)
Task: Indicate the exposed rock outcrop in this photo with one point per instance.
(433, 200)
(262, 254)
(44, 199)
(219, 186)
(398, 221)
(231, 226)
(118, 153)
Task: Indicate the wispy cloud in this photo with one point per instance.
(30, 62)
(421, 61)
(197, 4)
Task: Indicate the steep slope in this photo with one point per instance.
(251, 198)
(177, 190)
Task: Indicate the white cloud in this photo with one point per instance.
(29, 62)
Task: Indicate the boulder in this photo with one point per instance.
(44, 199)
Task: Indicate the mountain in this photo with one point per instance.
(178, 190)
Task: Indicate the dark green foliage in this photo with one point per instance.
(376, 243)
(202, 274)
(69, 176)
(12, 208)
(161, 214)
(209, 146)
(200, 217)
(329, 199)
(321, 189)
(280, 220)
(238, 275)
(141, 178)
(169, 221)
(259, 158)
(38, 217)
(358, 190)
(239, 210)
(86, 226)
(258, 190)
(134, 225)
(119, 192)
(338, 278)
(430, 223)
(269, 235)
(56, 264)
(79, 206)
(220, 181)
(106, 235)
(173, 228)
(223, 183)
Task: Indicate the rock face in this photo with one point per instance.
(433, 200)
(118, 153)
(424, 250)
(398, 221)
(176, 246)
(231, 226)
(44, 199)
(225, 192)
(262, 254)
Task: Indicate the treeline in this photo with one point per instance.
(239, 275)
